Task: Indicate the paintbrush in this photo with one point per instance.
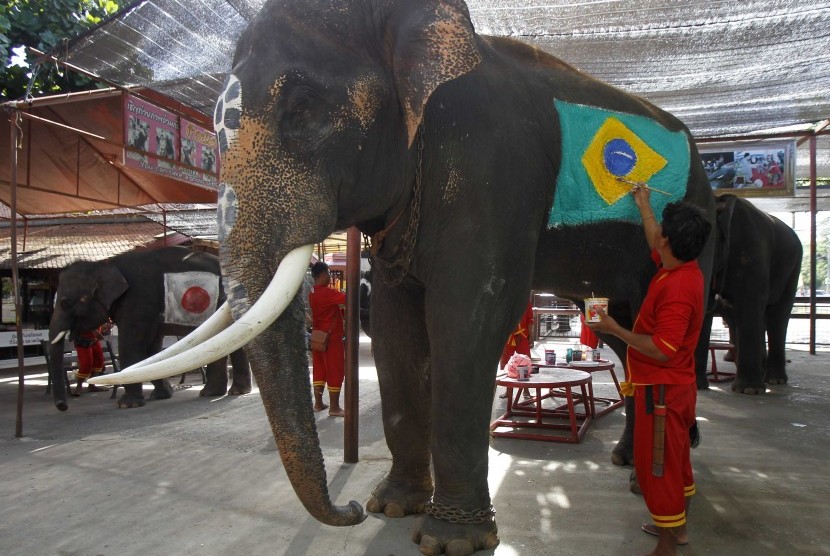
(647, 186)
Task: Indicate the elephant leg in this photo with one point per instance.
(241, 374)
(217, 379)
(751, 351)
(162, 390)
(623, 452)
(133, 350)
(401, 352)
(777, 319)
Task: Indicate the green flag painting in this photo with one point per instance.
(598, 147)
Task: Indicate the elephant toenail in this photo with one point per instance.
(393, 510)
(459, 547)
(373, 505)
(430, 546)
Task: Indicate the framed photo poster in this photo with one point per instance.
(756, 168)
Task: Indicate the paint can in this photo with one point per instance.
(524, 372)
(591, 306)
(550, 357)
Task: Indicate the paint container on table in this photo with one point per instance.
(550, 357)
(569, 355)
(596, 355)
(577, 355)
(591, 306)
(524, 372)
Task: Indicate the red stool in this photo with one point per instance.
(714, 375)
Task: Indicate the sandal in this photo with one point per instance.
(651, 529)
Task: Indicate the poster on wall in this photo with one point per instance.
(159, 141)
(752, 169)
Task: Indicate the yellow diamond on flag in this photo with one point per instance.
(615, 151)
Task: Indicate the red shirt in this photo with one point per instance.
(672, 314)
(325, 310)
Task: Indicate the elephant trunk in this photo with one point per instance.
(57, 376)
(279, 361)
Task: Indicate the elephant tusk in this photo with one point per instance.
(265, 311)
(217, 322)
(60, 336)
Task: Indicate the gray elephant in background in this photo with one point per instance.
(129, 289)
(757, 264)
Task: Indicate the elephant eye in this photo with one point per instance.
(66, 304)
(84, 299)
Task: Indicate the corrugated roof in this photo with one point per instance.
(724, 68)
(56, 246)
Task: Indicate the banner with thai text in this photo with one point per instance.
(160, 141)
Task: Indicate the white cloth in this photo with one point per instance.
(190, 297)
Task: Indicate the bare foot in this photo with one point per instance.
(651, 529)
(336, 412)
(320, 407)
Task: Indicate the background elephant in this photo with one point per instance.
(757, 263)
(129, 288)
(481, 167)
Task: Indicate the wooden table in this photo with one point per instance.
(534, 415)
(602, 365)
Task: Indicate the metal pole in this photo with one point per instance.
(350, 429)
(813, 245)
(18, 428)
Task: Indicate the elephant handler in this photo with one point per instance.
(90, 359)
(328, 366)
(661, 366)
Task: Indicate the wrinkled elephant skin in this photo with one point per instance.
(129, 289)
(482, 167)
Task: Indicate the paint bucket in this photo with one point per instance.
(524, 372)
(591, 306)
(550, 357)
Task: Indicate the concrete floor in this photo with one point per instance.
(201, 476)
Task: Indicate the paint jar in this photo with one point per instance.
(550, 357)
(524, 372)
(596, 356)
(591, 306)
(569, 355)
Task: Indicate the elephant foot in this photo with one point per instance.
(238, 390)
(438, 536)
(743, 387)
(129, 402)
(622, 454)
(633, 483)
(399, 500)
(777, 380)
(210, 392)
(729, 355)
(162, 392)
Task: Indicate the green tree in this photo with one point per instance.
(822, 254)
(44, 24)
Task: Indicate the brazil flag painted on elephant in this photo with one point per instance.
(599, 146)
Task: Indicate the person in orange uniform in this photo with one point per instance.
(519, 339)
(90, 359)
(329, 366)
(661, 366)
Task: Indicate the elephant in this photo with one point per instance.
(130, 289)
(754, 281)
(482, 168)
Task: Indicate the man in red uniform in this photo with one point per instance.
(90, 359)
(661, 366)
(328, 366)
(519, 340)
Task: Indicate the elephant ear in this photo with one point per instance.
(111, 285)
(434, 42)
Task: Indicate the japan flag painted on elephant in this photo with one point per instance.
(190, 297)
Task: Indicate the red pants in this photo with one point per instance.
(329, 366)
(666, 496)
(90, 361)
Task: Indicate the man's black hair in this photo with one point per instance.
(686, 228)
(318, 268)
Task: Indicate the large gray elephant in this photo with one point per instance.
(130, 289)
(482, 167)
(755, 278)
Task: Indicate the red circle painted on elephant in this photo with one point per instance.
(195, 300)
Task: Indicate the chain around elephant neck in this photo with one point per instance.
(392, 270)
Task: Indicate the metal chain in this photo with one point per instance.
(457, 515)
(392, 270)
